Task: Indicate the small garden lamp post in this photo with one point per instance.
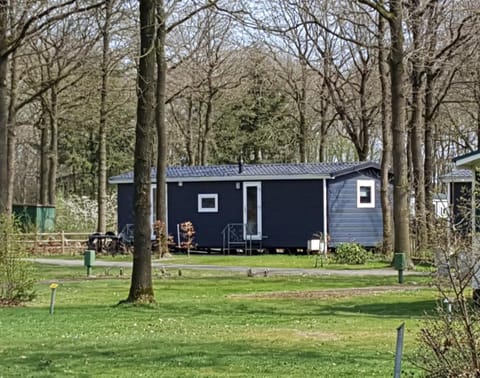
(53, 287)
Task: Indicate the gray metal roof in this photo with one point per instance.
(457, 175)
(467, 161)
(253, 171)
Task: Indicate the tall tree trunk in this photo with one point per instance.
(198, 157)
(44, 166)
(324, 122)
(363, 132)
(188, 142)
(394, 16)
(387, 245)
(302, 109)
(12, 132)
(141, 287)
(416, 132)
(102, 128)
(429, 151)
(162, 133)
(428, 127)
(53, 151)
(208, 118)
(399, 153)
(208, 126)
(4, 209)
(476, 97)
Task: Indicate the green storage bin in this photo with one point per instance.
(89, 258)
(400, 261)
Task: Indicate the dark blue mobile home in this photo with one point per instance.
(269, 205)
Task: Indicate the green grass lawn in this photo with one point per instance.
(258, 261)
(255, 261)
(272, 261)
(210, 324)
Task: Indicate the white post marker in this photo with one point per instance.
(399, 351)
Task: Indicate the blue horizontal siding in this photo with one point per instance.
(346, 222)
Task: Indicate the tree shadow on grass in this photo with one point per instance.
(171, 357)
(390, 309)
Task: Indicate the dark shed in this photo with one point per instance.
(459, 194)
(464, 182)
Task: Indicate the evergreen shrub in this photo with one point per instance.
(351, 253)
(16, 282)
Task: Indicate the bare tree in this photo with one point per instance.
(32, 20)
(394, 16)
(416, 141)
(163, 29)
(141, 287)
(451, 28)
(102, 127)
(4, 206)
(386, 162)
(292, 48)
(54, 67)
(162, 133)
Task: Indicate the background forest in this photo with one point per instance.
(271, 81)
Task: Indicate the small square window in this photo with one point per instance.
(366, 193)
(208, 203)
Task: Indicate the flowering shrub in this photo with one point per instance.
(79, 213)
(187, 233)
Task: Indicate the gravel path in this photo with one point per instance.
(254, 271)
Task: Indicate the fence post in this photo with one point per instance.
(62, 237)
(35, 244)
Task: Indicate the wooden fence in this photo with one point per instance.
(56, 243)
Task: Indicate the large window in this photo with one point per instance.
(366, 193)
(208, 203)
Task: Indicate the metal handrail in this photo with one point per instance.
(242, 238)
(230, 237)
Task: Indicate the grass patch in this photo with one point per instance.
(201, 326)
(272, 261)
(255, 261)
(258, 261)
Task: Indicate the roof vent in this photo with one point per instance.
(240, 164)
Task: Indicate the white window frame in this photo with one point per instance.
(258, 235)
(153, 209)
(369, 184)
(201, 197)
